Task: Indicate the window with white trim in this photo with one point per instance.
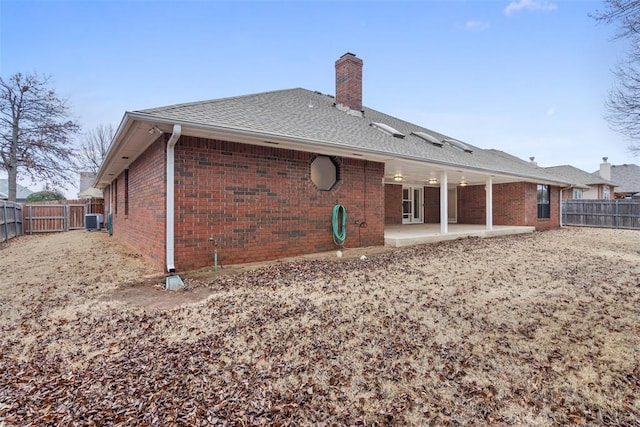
(544, 202)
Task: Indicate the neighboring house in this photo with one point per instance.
(86, 189)
(627, 178)
(258, 176)
(3, 196)
(21, 192)
(584, 185)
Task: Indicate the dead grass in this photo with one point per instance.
(542, 329)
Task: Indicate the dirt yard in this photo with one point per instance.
(540, 329)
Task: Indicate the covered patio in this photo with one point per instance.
(415, 234)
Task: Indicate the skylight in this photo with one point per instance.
(387, 129)
(429, 138)
(459, 144)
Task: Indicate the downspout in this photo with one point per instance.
(177, 131)
(560, 210)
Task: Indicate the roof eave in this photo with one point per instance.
(123, 135)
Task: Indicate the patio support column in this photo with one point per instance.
(489, 202)
(444, 203)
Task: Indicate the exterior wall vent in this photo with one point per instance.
(387, 129)
(429, 138)
(459, 144)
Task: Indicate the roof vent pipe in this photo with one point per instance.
(171, 144)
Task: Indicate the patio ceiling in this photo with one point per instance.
(420, 173)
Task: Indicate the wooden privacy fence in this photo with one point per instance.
(10, 220)
(59, 215)
(602, 213)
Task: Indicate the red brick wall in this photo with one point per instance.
(513, 204)
(144, 228)
(510, 203)
(471, 205)
(431, 205)
(392, 204)
(532, 208)
(259, 203)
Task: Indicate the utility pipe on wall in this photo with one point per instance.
(177, 131)
(560, 204)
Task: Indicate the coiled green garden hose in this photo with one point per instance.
(339, 233)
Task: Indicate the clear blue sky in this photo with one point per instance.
(529, 77)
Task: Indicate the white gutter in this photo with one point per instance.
(177, 131)
(276, 137)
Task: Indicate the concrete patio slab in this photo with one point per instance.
(415, 234)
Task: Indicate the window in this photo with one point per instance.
(577, 193)
(605, 193)
(324, 173)
(544, 207)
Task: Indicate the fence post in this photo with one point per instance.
(30, 219)
(88, 210)
(6, 227)
(15, 221)
(617, 216)
(65, 219)
(15, 215)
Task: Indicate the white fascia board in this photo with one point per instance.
(116, 144)
(250, 136)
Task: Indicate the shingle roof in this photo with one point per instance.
(578, 177)
(21, 192)
(307, 115)
(627, 177)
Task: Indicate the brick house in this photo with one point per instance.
(260, 174)
(583, 185)
(626, 177)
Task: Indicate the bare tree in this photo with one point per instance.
(35, 132)
(624, 13)
(623, 103)
(94, 147)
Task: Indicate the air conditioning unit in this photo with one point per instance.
(93, 221)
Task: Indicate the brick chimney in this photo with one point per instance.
(349, 81)
(605, 169)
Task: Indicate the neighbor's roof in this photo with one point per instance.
(3, 196)
(577, 177)
(312, 121)
(627, 177)
(21, 191)
(90, 192)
